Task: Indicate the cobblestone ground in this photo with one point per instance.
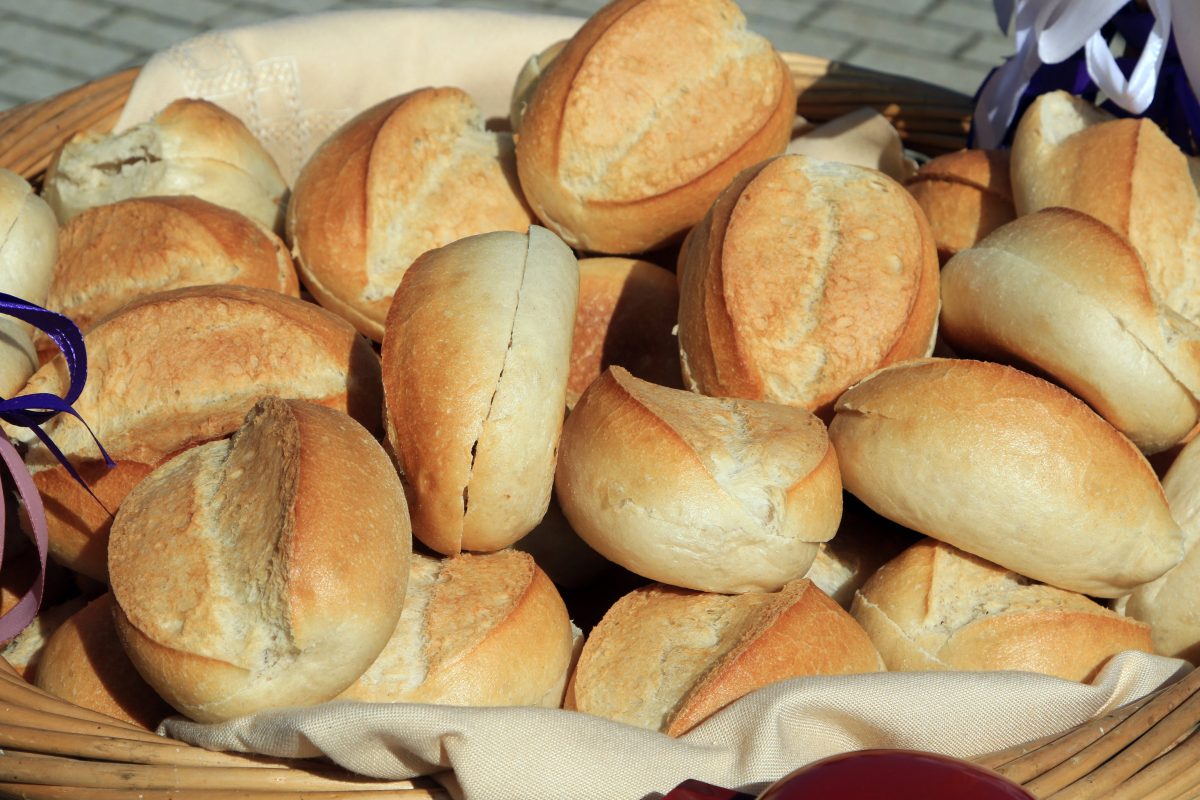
(47, 46)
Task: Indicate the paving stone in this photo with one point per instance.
(791, 11)
(25, 82)
(959, 75)
(894, 7)
(975, 15)
(918, 36)
(287, 8)
(65, 13)
(989, 50)
(195, 11)
(576, 7)
(69, 51)
(809, 41)
(146, 33)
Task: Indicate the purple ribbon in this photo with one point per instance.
(32, 411)
(1174, 108)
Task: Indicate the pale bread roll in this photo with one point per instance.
(1127, 174)
(666, 658)
(475, 362)
(191, 147)
(965, 196)
(527, 80)
(935, 607)
(24, 651)
(184, 366)
(28, 248)
(804, 277)
(629, 135)
(265, 570)
(713, 494)
(83, 662)
(1009, 468)
(1171, 604)
(626, 317)
(110, 254)
(408, 175)
(476, 630)
(1063, 292)
(864, 542)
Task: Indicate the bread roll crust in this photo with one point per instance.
(965, 196)
(804, 277)
(711, 494)
(235, 592)
(1009, 468)
(934, 607)
(613, 166)
(408, 175)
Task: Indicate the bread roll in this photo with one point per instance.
(527, 80)
(718, 495)
(666, 659)
(110, 254)
(804, 277)
(83, 662)
(1171, 604)
(630, 135)
(475, 361)
(28, 248)
(184, 366)
(965, 195)
(1063, 292)
(408, 175)
(1009, 468)
(626, 317)
(1127, 174)
(238, 587)
(24, 651)
(191, 147)
(476, 630)
(864, 542)
(934, 607)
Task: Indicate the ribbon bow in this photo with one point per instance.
(31, 411)
(1071, 33)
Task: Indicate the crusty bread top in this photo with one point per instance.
(184, 366)
(227, 562)
(112, 253)
(408, 175)
(987, 170)
(805, 276)
(28, 240)
(966, 613)
(665, 658)
(1008, 467)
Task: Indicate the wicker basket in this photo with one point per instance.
(1149, 750)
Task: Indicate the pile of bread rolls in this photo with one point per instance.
(389, 433)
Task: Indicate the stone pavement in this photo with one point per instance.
(47, 46)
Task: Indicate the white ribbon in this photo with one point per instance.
(1049, 31)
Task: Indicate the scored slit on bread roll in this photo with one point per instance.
(805, 276)
(408, 175)
(707, 493)
(191, 147)
(935, 607)
(112, 253)
(476, 355)
(608, 154)
(1007, 467)
(666, 658)
(1124, 172)
(476, 630)
(264, 570)
(1062, 292)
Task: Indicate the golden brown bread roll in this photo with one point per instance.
(83, 662)
(1126, 173)
(965, 195)
(24, 651)
(475, 361)
(629, 136)
(713, 494)
(935, 607)
(112, 253)
(1065, 293)
(626, 317)
(408, 175)
(476, 630)
(1010, 468)
(238, 587)
(666, 659)
(191, 147)
(805, 276)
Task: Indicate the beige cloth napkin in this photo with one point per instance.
(510, 753)
(293, 82)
